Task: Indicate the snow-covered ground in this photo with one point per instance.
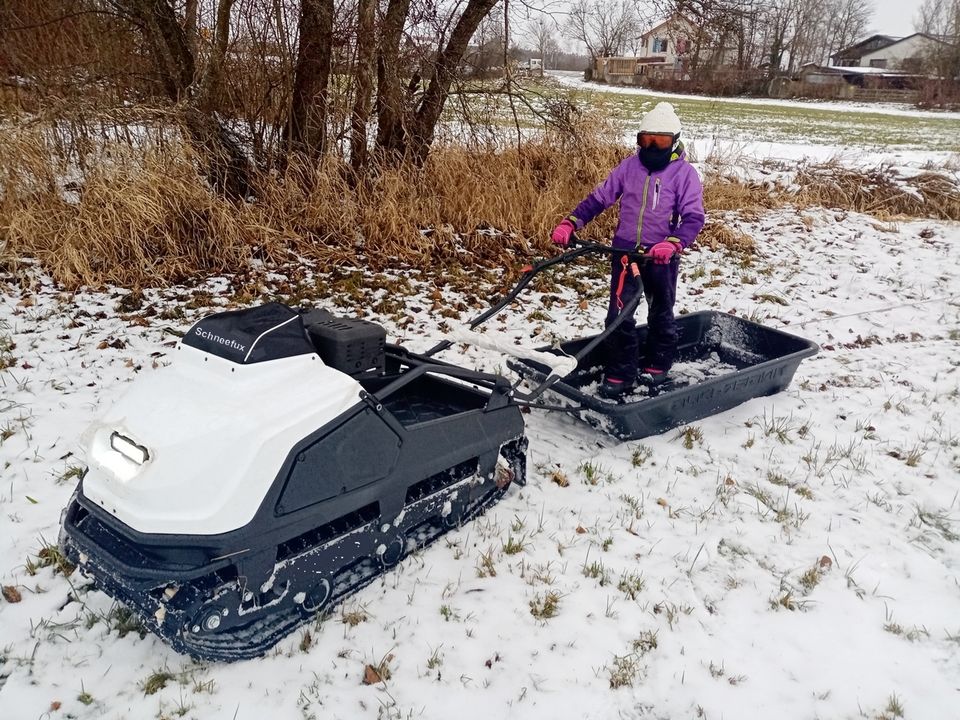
(795, 557)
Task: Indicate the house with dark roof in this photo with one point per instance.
(910, 51)
(850, 56)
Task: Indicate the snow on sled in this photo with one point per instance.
(723, 360)
(281, 462)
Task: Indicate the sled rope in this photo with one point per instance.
(888, 308)
(623, 276)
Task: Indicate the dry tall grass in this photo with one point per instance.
(143, 215)
(135, 214)
(881, 192)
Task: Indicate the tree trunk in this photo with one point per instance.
(228, 169)
(425, 122)
(214, 68)
(168, 42)
(190, 24)
(307, 126)
(366, 53)
(391, 135)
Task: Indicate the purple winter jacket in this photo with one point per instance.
(653, 206)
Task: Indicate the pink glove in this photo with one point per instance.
(663, 251)
(562, 232)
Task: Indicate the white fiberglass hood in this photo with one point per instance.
(194, 447)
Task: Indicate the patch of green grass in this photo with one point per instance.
(912, 635)
(787, 123)
(49, 556)
(623, 671)
(485, 565)
(448, 613)
(631, 585)
(436, 659)
(514, 545)
(354, 617)
(811, 578)
(641, 455)
(156, 681)
(125, 621)
(646, 642)
(597, 571)
(939, 521)
(7, 346)
(691, 434)
(546, 606)
(73, 471)
(634, 503)
(894, 709)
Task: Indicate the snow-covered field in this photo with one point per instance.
(861, 135)
(795, 557)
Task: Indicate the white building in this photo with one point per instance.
(913, 48)
(664, 44)
(672, 43)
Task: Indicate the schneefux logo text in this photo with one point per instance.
(213, 337)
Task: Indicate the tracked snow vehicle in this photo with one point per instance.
(283, 461)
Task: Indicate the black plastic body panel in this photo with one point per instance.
(350, 345)
(765, 361)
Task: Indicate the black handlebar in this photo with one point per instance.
(578, 249)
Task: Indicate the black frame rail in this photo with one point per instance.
(579, 249)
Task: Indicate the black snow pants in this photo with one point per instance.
(624, 354)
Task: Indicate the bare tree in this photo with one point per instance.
(176, 64)
(716, 30)
(605, 27)
(364, 72)
(407, 121)
(541, 36)
(847, 22)
(307, 125)
(941, 20)
(490, 42)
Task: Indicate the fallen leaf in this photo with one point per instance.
(54, 706)
(11, 594)
(581, 529)
(370, 675)
(583, 305)
(826, 563)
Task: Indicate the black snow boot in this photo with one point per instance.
(613, 388)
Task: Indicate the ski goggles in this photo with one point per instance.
(660, 141)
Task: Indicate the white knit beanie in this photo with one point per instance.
(662, 119)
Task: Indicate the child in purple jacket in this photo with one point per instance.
(661, 213)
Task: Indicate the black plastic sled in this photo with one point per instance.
(723, 360)
(283, 461)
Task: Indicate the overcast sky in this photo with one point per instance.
(894, 17)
